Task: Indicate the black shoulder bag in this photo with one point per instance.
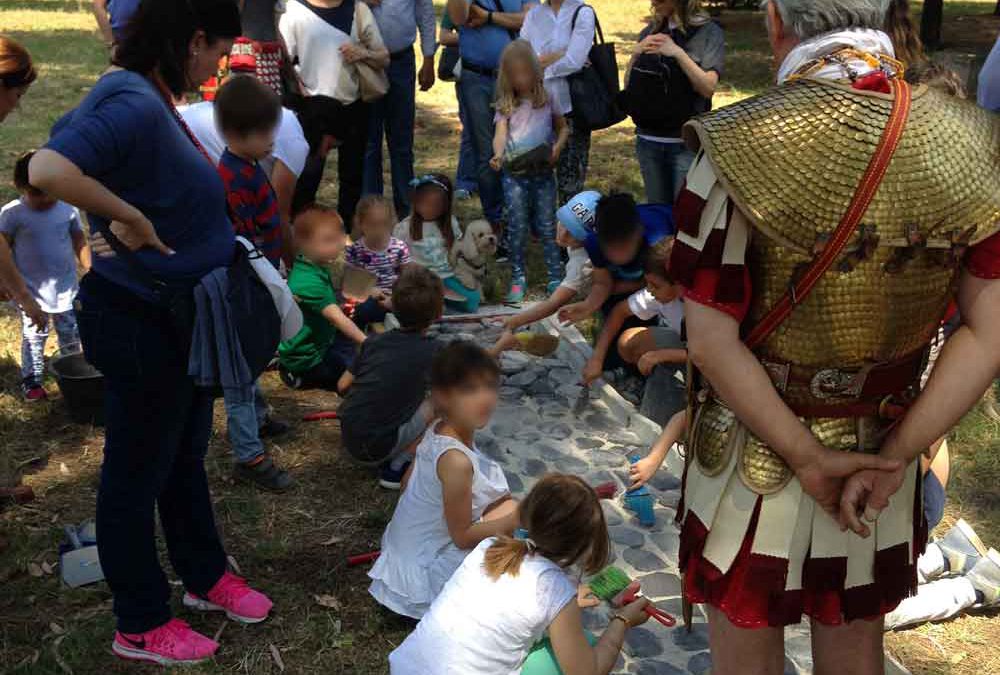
(593, 89)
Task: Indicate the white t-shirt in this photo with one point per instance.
(431, 250)
(314, 46)
(290, 144)
(43, 251)
(645, 306)
(578, 269)
(482, 625)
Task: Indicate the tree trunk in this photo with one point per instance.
(930, 23)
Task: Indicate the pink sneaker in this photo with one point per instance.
(172, 643)
(232, 595)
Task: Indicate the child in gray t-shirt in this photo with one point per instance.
(48, 241)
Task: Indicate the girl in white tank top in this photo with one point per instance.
(455, 497)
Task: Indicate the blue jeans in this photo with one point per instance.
(395, 115)
(466, 176)
(531, 204)
(157, 429)
(476, 93)
(33, 343)
(664, 167)
(245, 420)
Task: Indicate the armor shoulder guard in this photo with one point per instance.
(791, 158)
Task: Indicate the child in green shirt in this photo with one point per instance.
(320, 353)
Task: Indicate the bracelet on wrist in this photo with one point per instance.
(621, 617)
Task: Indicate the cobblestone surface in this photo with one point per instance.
(538, 429)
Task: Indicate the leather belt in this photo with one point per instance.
(479, 70)
(835, 392)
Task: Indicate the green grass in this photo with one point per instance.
(294, 546)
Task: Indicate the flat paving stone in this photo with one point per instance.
(643, 643)
(522, 378)
(535, 468)
(656, 668)
(559, 431)
(700, 664)
(611, 515)
(514, 482)
(588, 443)
(660, 584)
(695, 641)
(664, 481)
(643, 560)
(627, 537)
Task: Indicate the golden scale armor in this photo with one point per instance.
(790, 160)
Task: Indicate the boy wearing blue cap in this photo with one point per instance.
(574, 224)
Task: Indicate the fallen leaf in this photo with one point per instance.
(327, 601)
(218, 633)
(58, 657)
(47, 568)
(234, 564)
(34, 569)
(276, 655)
(63, 469)
(56, 628)
(334, 539)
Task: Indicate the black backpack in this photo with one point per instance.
(658, 95)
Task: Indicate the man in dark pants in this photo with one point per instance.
(398, 21)
(485, 28)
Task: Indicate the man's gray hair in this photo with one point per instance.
(808, 18)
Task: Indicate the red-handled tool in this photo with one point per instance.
(322, 415)
(633, 593)
(362, 559)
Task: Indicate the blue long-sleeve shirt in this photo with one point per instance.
(399, 20)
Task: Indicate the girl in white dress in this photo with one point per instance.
(492, 613)
(454, 497)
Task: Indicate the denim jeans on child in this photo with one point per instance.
(477, 93)
(157, 431)
(33, 342)
(394, 115)
(531, 204)
(664, 167)
(245, 420)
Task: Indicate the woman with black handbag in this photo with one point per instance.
(125, 156)
(673, 73)
(561, 32)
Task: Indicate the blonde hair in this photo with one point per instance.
(507, 98)
(565, 523)
(370, 203)
(685, 13)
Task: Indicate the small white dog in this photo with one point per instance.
(470, 252)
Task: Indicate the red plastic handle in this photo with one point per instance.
(323, 415)
(363, 558)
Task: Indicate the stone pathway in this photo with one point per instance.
(540, 427)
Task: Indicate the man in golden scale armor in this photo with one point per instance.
(823, 231)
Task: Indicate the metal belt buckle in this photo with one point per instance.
(835, 383)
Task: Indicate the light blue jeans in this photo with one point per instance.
(664, 167)
(531, 204)
(245, 420)
(33, 343)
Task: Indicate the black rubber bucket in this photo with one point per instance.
(81, 384)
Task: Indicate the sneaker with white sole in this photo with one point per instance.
(173, 643)
(232, 595)
(962, 548)
(985, 578)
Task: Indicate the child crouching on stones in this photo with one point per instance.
(455, 497)
(385, 409)
(491, 616)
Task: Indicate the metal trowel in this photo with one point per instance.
(78, 562)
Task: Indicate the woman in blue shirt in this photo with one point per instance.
(125, 157)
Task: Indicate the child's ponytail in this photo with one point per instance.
(565, 524)
(505, 557)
